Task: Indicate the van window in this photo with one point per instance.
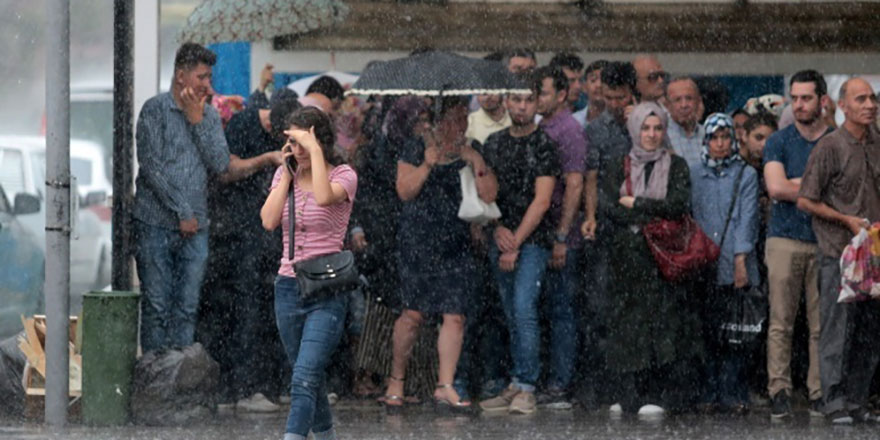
(38, 163)
(4, 204)
(82, 169)
(12, 171)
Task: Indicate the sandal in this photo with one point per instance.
(387, 399)
(461, 406)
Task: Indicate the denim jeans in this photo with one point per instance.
(310, 333)
(561, 287)
(171, 269)
(519, 291)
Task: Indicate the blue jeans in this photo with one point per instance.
(171, 269)
(561, 287)
(310, 333)
(519, 291)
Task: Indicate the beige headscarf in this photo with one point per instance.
(655, 188)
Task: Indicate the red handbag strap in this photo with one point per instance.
(626, 175)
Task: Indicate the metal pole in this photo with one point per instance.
(123, 139)
(58, 213)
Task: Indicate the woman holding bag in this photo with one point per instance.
(436, 267)
(654, 328)
(324, 192)
(725, 205)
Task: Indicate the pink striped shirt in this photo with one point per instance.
(320, 230)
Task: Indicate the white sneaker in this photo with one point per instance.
(332, 398)
(651, 412)
(258, 403)
(615, 409)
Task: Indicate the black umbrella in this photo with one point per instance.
(437, 73)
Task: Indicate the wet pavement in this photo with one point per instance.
(366, 421)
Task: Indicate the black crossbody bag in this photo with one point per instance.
(324, 276)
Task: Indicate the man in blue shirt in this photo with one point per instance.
(180, 144)
(791, 245)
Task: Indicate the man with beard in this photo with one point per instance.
(562, 280)
(592, 87)
(489, 118)
(791, 243)
(237, 298)
(841, 189)
(609, 141)
(525, 162)
(180, 148)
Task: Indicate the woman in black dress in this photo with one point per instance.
(436, 267)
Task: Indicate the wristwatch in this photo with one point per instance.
(560, 237)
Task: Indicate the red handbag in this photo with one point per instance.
(680, 247)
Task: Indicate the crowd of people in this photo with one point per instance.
(561, 300)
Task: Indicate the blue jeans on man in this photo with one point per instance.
(519, 291)
(310, 332)
(561, 287)
(170, 268)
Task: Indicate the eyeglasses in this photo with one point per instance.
(656, 75)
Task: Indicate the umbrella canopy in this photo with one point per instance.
(217, 21)
(301, 85)
(437, 73)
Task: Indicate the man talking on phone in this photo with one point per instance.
(180, 146)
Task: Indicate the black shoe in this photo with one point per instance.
(840, 417)
(816, 408)
(864, 415)
(780, 406)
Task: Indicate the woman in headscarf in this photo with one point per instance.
(654, 328)
(721, 174)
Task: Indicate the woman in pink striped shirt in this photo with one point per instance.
(324, 191)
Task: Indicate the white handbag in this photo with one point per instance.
(472, 208)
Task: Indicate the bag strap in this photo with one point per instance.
(291, 215)
(732, 203)
(626, 174)
(291, 208)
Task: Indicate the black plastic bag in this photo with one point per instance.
(745, 318)
(12, 362)
(174, 387)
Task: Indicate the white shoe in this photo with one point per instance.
(615, 409)
(332, 398)
(258, 403)
(651, 411)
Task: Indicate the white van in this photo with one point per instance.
(23, 170)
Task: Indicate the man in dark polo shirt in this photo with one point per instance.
(791, 245)
(841, 190)
(238, 293)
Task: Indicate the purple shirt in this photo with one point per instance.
(564, 129)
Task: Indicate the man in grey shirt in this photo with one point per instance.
(180, 145)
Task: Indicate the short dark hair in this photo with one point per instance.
(446, 104)
(327, 86)
(739, 111)
(560, 82)
(812, 76)
(596, 65)
(283, 103)
(495, 56)
(307, 117)
(519, 52)
(567, 60)
(760, 119)
(190, 55)
(619, 74)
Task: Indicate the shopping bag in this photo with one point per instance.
(472, 208)
(860, 268)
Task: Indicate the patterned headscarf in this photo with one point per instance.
(715, 122)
